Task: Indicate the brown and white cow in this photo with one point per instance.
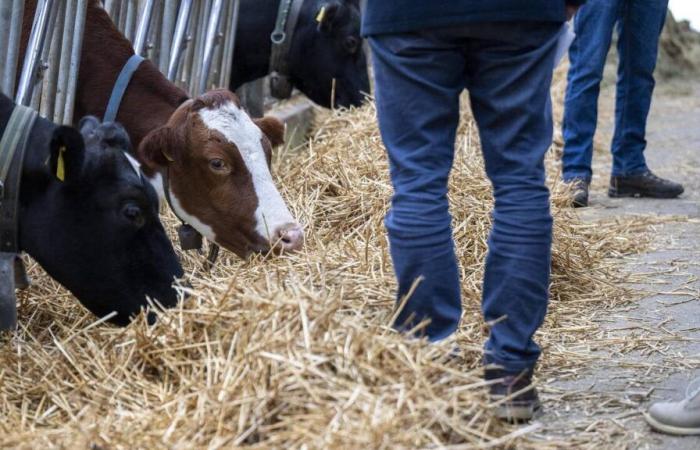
(215, 158)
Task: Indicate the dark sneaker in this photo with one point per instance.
(579, 192)
(515, 398)
(644, 185)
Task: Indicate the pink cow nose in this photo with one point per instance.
(289, 237)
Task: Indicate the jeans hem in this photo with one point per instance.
(568, 178)
(510, 366)
(633, 173)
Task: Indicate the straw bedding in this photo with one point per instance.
(296, 352)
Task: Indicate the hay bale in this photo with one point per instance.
(297, 351)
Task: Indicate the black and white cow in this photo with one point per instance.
(325, 47)
(97, 232)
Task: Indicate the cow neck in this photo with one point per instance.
(190, 238)
(253, 44)
(150, 98)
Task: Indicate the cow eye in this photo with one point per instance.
(351, 44)
(133, 214)
(218, 165)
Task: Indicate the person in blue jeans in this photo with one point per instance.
(639, 24)
(503, 52)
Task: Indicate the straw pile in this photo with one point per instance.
(295, 352)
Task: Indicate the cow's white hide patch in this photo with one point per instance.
(204, 229)
(238, 128)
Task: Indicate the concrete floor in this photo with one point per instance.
(668, 316)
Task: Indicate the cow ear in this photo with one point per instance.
(67, 154)
(88, 124)
(116, 136)
(327, 16)
(158, 148)
(273, 129)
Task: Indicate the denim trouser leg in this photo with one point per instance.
(640, 25)
(419, 76)
(593, 25)
(417, 92)
(516, 280)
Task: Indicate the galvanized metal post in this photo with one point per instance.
(143, 27)
(74, 64)
(170, 14)
(178, 42)
(214, 17)
(50, 81)
(37, 39)
(63, 74)
(229, 44)
(14, 32)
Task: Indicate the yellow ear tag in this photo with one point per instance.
(321, 15)
(61, 165)
(167, 156)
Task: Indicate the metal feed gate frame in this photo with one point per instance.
(190, 41)
(48, 71)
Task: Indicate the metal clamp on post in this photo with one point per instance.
(13, 146)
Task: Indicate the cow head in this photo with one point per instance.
(215, 162)
(92, 222)
(330, 31)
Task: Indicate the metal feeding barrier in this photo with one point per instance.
(48, 70)
(191, 42)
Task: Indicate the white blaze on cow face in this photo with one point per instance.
(238, 128)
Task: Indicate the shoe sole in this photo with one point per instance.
(617, 194)
(517, 414)
(670, 429)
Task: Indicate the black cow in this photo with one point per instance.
(324, 47)
(97, 232)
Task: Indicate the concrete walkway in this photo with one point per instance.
(658, 350)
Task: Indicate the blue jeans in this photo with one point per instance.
(507, 68)
(639, 25)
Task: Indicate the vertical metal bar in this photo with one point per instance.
(185, 74)
(214, 17)
(143, 27)
(109, 7)
(178, 42)
(170, 13)
(63, 72)
(8, 74)
(74, 66)
(231, 28)
(194, 63)
(53, 60)
(5, 22)
(34, 50)
(121, 24)
(152, 49)
(215, 67)
(131, 12)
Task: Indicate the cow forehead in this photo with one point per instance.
(236, 126)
